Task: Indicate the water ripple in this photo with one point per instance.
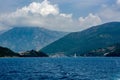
(60, 69)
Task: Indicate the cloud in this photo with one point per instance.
(89, 21)
(47, 15)
(42, 14)
(118, 2)
(111, 12)
(44, 9)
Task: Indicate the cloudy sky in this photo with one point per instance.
(61, 15)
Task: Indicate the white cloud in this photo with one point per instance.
(89, 21)
(44, 8)
(47, 15)
(118, 2)
(111, 12)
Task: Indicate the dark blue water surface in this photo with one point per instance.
(59, 68)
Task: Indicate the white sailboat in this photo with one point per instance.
(75, 55)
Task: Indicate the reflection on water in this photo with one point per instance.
(60, 69)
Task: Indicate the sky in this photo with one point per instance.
(59, 15)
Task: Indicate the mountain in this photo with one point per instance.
(5, 52)
(27, 38)
(33, 53)
(85, 41)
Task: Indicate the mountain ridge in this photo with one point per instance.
(27, 38)
(85, 41)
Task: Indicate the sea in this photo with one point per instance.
(97, 68)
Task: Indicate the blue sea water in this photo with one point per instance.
(59, 68)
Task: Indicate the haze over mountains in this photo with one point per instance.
(85, 41)
(27, 38)
(101, 40)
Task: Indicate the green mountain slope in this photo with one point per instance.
(85, 41)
